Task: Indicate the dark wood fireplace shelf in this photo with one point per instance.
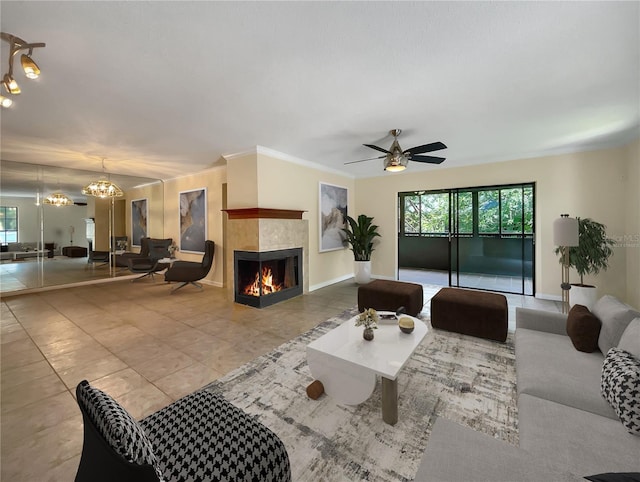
(253, 213)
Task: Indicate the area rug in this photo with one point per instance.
(468, 380)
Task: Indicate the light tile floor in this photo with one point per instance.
(141, 345)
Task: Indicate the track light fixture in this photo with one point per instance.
(31, 69)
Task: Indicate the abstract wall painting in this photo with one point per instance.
(139, 213)
(193, 220)
(332, 216)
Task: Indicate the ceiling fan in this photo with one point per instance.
(395, 159)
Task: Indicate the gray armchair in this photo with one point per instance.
(189, 272)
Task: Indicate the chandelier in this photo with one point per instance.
(103, 187)
(58, 199)
(31, 69)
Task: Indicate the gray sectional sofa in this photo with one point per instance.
(21, 250)
(567, 430)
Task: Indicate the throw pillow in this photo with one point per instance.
(630, 339)
(620, 386)
(583, 327)
(117, 427)
(615, 317)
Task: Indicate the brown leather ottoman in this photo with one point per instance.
(74, 251)
(385, 295)
(474, 313)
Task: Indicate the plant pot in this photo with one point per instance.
(362, 272)
(583, 295)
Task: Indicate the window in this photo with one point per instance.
(465, 212)
(488, 212)
(426, 214)
(503, 211)
(8, 224)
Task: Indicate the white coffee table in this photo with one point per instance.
(347, 364)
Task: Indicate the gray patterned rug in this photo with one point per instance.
(468, 380)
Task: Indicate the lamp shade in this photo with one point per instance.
(565, 231)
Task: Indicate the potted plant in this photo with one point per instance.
(360, 235)
(590, 257)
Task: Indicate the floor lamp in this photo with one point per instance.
(565, 235)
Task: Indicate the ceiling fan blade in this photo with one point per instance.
(362, 160)
(434, 146)
(428, 159)
(376, 148)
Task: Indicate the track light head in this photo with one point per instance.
(30, 68)
(5, 101)
(10, 84)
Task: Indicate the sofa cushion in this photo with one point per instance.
(583, 443)
(456, 453)
(630, 339)
(548, 366)
(615, 316)
(621, 387)
(583, 327)
(116, 426)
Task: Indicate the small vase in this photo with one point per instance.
(367, 334)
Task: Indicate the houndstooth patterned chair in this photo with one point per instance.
(200, 437)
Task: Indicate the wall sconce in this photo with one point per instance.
(31, 69)
(565, 235)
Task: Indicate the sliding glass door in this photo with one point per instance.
(482, 237)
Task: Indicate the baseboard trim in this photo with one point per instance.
(544, 296)
(324, 284)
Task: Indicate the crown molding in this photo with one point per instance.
(266, 151)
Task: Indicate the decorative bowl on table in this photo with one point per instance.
(406, 324)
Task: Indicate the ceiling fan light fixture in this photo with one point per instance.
(31, 69)
(395, 162)
(58, 199)
(10, 84)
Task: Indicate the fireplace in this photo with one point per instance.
(267, 277)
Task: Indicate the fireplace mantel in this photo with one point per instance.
(266, 213)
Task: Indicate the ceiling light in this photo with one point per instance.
(10, 84)
(5, 101)
(31, 69)
(102, 188)
(58, 199)
(395, 162)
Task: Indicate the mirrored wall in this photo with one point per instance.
(45, 245)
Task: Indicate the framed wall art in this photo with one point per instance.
(139, 213)
(332, 216)
(193, 220)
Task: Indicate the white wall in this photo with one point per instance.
(631, 242)
(212, 180)
(589, 184)
(289, 185)
(56, 225)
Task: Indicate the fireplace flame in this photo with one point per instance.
(266, 279)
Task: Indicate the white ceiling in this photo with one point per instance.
(160, 88)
